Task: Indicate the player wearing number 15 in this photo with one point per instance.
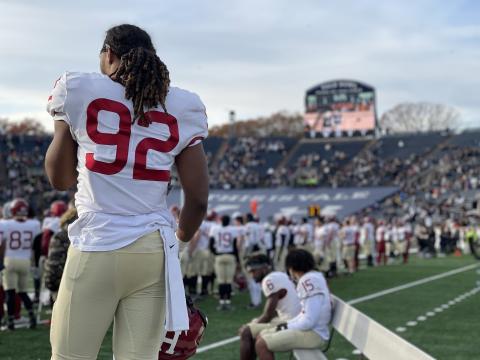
(117, 135)
(16, 239)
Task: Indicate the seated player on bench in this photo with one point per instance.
(309, 329)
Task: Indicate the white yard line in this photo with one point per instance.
(412, 284)
(363, 298)
(439, 309)
(217, 344)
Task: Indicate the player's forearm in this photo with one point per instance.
(61, 159)
(310, 315)
(191, 216)
(268, 313)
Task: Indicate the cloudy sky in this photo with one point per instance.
(254, 56)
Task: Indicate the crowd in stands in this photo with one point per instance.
(21, 170)
(245, 163)
(433, 173)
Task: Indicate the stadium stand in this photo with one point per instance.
(429, 168)
(248, 161)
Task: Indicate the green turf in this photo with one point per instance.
(450, 334)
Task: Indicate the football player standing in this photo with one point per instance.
(117, 136)
(223, 241)
(254, 244)
(18, 234)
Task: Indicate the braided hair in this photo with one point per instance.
(142, 73)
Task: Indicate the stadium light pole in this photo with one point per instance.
(231, 118)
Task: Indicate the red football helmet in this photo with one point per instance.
(181, 345)
(212, 216)
(19, 207)
(57, 208)
(240, 281)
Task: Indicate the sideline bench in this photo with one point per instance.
(374, 341)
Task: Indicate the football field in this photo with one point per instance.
(440, 315)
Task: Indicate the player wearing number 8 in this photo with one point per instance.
(117, 135)
(16, 239)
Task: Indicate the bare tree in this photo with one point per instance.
(27, 126)
(415, 117)
(278, 124)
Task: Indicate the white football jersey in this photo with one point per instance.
(225, 237)
(51, 223)
(296, 231)
(312, 284)
(289, 306)
(123, 167)
(254, 235)
(204, 237)
(332, 230)
(320, 235)
(267, 242)
(282, 231)
(380, 233)
(18, 237)
(368, 232)
(307, 231)
(349, 234)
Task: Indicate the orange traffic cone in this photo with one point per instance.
(457, 252)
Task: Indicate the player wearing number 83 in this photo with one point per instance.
(117, 135)
(16, 239)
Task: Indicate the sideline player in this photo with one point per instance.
(18, 234)
(123, 130)
(282, 302)
(309, 329)
(223, 243)
(254, 244)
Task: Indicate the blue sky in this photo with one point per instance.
(255, 57)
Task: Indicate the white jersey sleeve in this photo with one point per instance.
(3, 230)
(56, 100)
(195, 120)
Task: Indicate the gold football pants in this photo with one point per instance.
(126, 286)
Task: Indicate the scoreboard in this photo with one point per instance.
(340, 108)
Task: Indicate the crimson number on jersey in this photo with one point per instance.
(122, 141)
(225, 239)
(17, 239)
(307, 285)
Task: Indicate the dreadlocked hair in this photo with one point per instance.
(145, 77)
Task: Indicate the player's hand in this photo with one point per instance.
(282, 326)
